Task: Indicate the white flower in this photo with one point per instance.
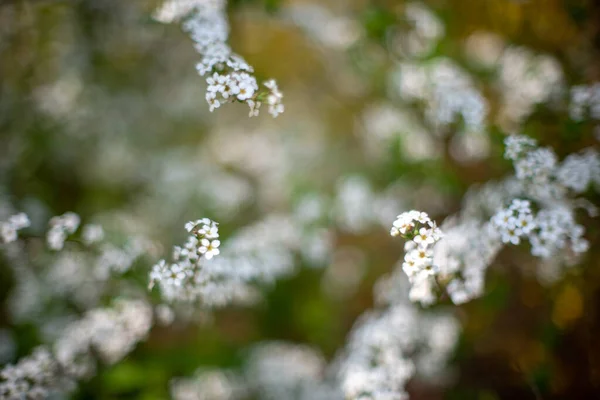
(212, 100)
(209, 248)
(424, 237)
(175, 275)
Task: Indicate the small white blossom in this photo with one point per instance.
(9, 229)
(209, 248)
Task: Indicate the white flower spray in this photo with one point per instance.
(228, 76)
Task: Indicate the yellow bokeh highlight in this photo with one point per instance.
(568, 306)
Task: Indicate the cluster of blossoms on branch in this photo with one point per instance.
(185, 276)
(228, 76)
(109, 333)
(550, 231)
(60, 227)
(77, 274)
(422, 234)
(257, 254)
(537, 205)
(388, 348)
(515, 221)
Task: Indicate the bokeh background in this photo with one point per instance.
(102, 113)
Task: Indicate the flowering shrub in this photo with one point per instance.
(298, 291)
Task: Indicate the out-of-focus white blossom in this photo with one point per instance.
(283, 371)
(273, 371)
(557, 229)
(60, 228)
(378, 359)
(208, 385)
(578, 171)
(585, 100)
(525, 80)
(9, 229)
(92, 234)
(36, 376)
(334, 31)
(110, 333)
(426, 31)
(447, 91)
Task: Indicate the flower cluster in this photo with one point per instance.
(537, 165)
(386, 349)
(33, 377)
(208, 385)
(9, 229)
(446, 89)
(91, 234)
(555, 229)
(515, 221)
(584, 98)
(110, 333)
(202, 244)
(257, 254)
(229, 76)
(517, 145)
(277, 370)
(546, 180)
(524, 80)
(463, 257)
(472, 239)
(548, 232)
(578, 171)
(273, 371)
(60, 227)
(422, 233)
(378, 364)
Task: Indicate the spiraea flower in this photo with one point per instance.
(229, 77)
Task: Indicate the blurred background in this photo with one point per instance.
(102, 113)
